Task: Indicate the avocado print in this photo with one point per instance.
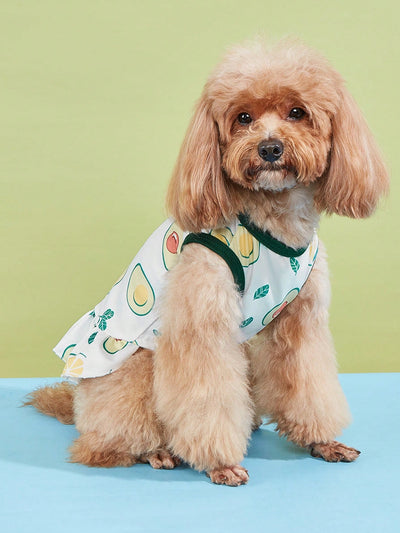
(140, 294)
(172, 245)
(313, 251)
(291, 295)
(246, 247)
(120, 278)
(223, 234)
(112, 345)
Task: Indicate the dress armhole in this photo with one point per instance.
(217, 246)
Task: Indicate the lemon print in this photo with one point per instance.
(172, 245)
(245, 246)
(74, 366)
(140, 294)
(275, 311)
(223, 234)
(68, 351)
(112, 345)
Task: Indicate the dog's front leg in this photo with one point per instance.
(200, 369)
(295, 375)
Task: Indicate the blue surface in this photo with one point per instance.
(288, 489)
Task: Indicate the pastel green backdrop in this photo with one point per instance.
(97, 96)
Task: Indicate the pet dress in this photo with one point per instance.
(268, 274)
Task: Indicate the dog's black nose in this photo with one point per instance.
(270, 150)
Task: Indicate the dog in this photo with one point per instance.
(275, 141)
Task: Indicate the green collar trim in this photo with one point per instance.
(268, 240)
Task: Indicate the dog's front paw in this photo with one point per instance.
(229, 475)
(334, 452)
(257, 423)
(161, 459)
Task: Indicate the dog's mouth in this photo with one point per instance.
(272, 177)
(285, 170)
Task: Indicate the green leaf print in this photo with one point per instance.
(246, 322)
(261, 292)
(102, 324)
(294, 264)
(92, 337)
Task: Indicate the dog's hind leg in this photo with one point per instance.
(115, 416)
(56, 400)
(295, 375)
(93, 449)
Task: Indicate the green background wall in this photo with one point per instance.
(96, 96)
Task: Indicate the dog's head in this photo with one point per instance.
(273, 121)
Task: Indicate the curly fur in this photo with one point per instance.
(200, 394)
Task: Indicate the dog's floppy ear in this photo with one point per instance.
(197, 197)
(356, 177)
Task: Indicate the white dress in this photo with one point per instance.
(269, 275)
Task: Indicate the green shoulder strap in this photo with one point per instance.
(223, 250)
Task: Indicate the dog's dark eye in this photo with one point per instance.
(244, 118)
(296, 113)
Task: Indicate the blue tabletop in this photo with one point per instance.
(288, 489)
